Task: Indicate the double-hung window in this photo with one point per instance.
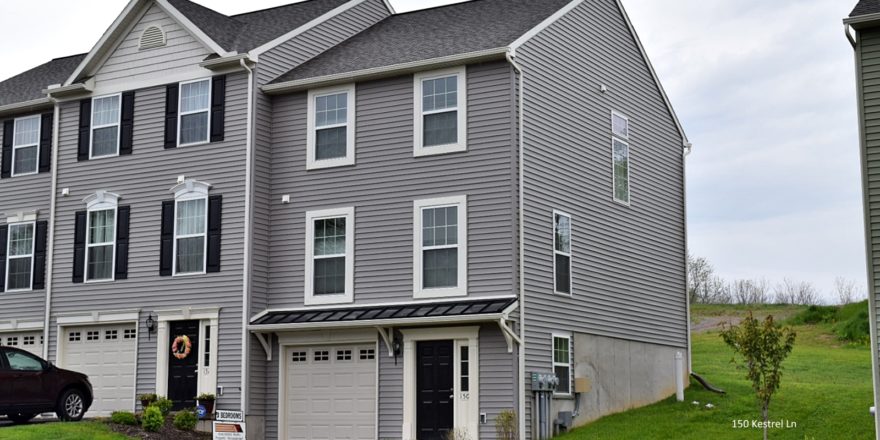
(100, 244)
(26, 145)
(329, 256)
(620, 157)
(562, 362)
(106, 111)
(20, 258)
(440, 112)
(440, 247)
(561, 253)
(190, 235)
(331, 123)
(195, 112)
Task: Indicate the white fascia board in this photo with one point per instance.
(488, 317)
(255, 53)
(394, 69)
(192, 28)
(542, 25)
(130, 8)
(26, 106)
(862, 19)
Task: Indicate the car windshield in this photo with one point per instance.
(23, 362)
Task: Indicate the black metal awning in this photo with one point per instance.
(398, 314)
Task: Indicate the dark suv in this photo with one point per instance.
(31, 386)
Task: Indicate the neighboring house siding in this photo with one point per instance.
(17, 194)
(128, 63)
(143, 180)
(387, 179)
(306, 45)
(628, 265)
(868, 58)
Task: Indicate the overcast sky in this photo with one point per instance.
(764, 89)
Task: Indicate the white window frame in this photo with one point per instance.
(15, 147)
(419, 292)
(310, 298)
(418, 120)
(187, 191)
(181, 113)
(311, 137)
(93, 127)
(569, 254)
(625, 141)
(553, 364)
(31, 255)
(91, 245)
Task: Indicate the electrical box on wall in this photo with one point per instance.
(544, 382)
(582, 385)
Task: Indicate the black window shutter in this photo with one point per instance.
(166, 250)
(39, 275)
(126, 126)
(8, 134)
(4, 231)
(123, 214)
(215, 209)
(218, 108)
(79, 247)
(46, 142)
(171, 94)
(85, 128)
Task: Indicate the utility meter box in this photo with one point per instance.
(544, 382)
(582, 385)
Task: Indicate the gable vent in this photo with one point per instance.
(153, 36)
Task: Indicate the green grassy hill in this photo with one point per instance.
(826, 386)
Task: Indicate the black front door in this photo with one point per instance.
(183, 359)
(434, 408)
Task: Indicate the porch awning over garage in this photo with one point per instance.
(474, 310)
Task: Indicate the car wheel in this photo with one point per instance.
(71, 406)
(21, 418)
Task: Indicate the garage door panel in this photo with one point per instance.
(331, 392)
(31, 341)
(107, 355)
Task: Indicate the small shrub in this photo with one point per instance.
(147, 399)
(164, 405)
(815, 315)
(153, 419)
(856, 329)
(506, 425)
(123, 418)
(185, 420)
(206, 396)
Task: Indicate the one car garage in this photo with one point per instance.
(330, 392)
(107, 355)
(28, 341)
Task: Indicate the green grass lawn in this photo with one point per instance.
(826, 391)
(60, 431)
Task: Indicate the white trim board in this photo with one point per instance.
(206, 315)
(15, 325)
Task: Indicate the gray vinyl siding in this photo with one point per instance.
(868, 63)
(387, 179)
(301, 48)
(390, 395)
(143, 180)
(628, 264)
(23, 194)
(128, 63)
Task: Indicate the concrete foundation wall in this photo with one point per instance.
(622, 375)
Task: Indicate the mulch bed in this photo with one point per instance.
(167, 432)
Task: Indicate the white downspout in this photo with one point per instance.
(50, 257)
(246, 271)
(688, 148)
(511, 57)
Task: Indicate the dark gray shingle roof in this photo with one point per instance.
(247, 31)
(431, 33)
(866, 7)
(29, 85)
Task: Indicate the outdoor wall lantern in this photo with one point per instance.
(151, 325)
(396, 346)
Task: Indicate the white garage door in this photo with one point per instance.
(331, 392)
(28, 341)
(107, 355)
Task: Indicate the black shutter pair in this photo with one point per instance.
(218, 111)
(39, 252)
(123, 216)
(44, 160)
(166, 248)
(126, 126)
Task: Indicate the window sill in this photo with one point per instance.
(193, 144)
(439, 293)
(325, 300)
(98, 281)
(103, 156)
(17, 291)
(187, 274)
(438, 150)
(330, 163)
(25, 174)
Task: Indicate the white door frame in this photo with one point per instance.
(206, 316)
(467, 407)
(301, 339)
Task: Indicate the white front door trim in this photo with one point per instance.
(467, 412)
(207, 316)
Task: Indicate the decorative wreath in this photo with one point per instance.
(181, 347)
